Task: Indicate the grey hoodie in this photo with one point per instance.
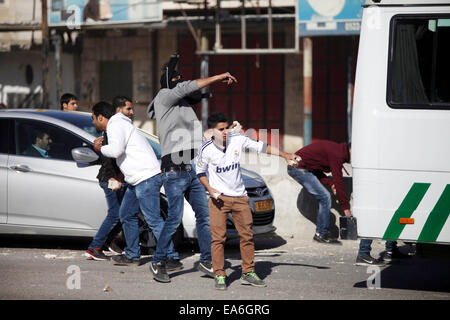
(178, 126)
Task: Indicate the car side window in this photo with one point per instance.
(43, 140)
(4, 135)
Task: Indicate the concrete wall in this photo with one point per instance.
(167, 45)
(12, 77)
(137, 48)
(295, 209)
(114, 45)
(293, 102)
(293, 89)
(19, 11)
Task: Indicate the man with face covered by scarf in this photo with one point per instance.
(180, 134)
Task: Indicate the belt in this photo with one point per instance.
(185, 167)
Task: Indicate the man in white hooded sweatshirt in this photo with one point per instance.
(141, 169)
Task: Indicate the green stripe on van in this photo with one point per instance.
(406, 209)
(437, 218)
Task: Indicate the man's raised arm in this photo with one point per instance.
(225, 77)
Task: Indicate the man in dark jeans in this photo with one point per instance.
(109, 173)
(317, 158)
(391, 253)
(180, 134)
(111, 181)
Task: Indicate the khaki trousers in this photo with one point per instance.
(240, 209)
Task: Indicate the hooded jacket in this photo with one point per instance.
(134, 155)
(178, 126)
(327, 156)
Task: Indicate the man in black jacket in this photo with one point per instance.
(111, 181)
(40, 146)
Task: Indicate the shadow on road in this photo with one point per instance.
(414, 274)
(264, 269)
(44, 242)
(262, 242)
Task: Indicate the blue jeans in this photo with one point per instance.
(145, 196)
(178, 185)
(365, 246)
(110, 226)
(312, 184)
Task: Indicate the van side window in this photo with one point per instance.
(419, 64)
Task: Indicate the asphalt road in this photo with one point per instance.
(55, 268)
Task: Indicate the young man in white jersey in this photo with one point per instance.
(220, 156)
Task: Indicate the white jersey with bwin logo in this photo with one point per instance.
(223, 165)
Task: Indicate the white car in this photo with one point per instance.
(59, 196)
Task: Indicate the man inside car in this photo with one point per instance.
(40, 146)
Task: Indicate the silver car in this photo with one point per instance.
(60, 196)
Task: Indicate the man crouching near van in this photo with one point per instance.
(317, 158)
(220, 156)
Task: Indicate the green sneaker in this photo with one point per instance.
(252, 278)
(220, 282)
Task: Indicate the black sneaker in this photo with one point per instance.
(114, 247)
(395, 254)
(173, 265)
(96, 254)
(159, 272)
(220, 282)
(368, 260)
(206, 268)
(326, 239)
(122, 260)
(252, 278)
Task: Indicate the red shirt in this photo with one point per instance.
(327, 156)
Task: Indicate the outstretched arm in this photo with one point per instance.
(225, 77)
(291, 158)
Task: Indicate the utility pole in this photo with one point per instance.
(218, 43)
(57, 40)
(204, 73)
(45, 58)
(307, 90)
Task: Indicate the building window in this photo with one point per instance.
(116, 78)
(257, 99)
(419, 68)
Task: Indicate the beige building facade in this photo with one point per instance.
(102, 62)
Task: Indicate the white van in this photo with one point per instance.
(401, 122)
